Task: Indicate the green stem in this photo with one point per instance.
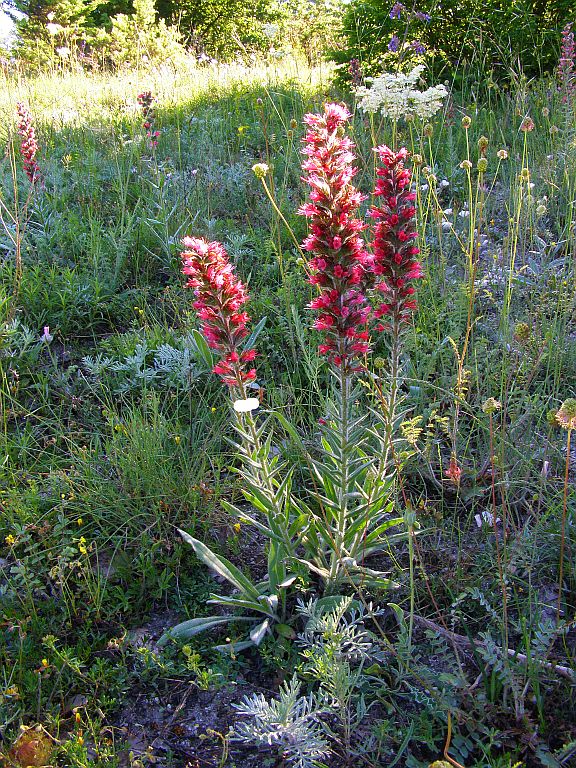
(282, 217)
(563, 532)
(340, 533)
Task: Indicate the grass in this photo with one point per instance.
(114, 433)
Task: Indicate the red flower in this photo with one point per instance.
(395, 265)
(28, 145)
(454, 472)
(219, 296)
(340, 262)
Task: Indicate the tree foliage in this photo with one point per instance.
(497, 36)
(218, 27)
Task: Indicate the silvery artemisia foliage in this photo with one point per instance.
(334, 645)
(340, 632)
(290, 722)
(175, 365)
(396, 96)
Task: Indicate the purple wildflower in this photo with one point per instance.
(418, 47)
(394, 44)
(396, 11)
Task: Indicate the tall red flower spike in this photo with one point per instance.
(339, 259)
(567, 64)
(28, 145)
(220, 296)
(395, 264)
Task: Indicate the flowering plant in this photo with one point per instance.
(567, 65)
(396, 96)
(346, 515)
(28, 144)
(146, 101)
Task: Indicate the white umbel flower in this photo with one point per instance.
(396, 96)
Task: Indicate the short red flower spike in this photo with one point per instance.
(220, 296)
(395, 264)
(146, 101)
(339, 261)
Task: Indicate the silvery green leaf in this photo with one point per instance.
(257, 633)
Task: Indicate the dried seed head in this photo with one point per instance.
(491, 405)
(566, 415)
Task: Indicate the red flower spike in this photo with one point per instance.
(339, 262)
(567, 64)
(28, 145)
(394, 234)
(219, 295)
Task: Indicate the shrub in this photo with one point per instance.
(139, 39)
(492, 37)
(311, 26)
(220, 28)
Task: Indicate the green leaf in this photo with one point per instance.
(276, 563)
(203, 350)
(239, 602)
(257, 633)
(251, 340)
(284, 630)
(194, 626)
(221, 565)
(242, 645)
(291, 430)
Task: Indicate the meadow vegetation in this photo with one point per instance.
(391, 536)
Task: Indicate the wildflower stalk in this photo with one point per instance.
(220, 297)
(395, 267)
(567, 68)
(343, 490)
(15, 219)
(261, 170)
(566, 418)
(490, 407)
(524, 179)
(563, 530)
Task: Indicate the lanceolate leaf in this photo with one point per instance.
(246, 605)
(257, 633)
(221, 566)
(251, 340)
(242, 645)
(204, 351)
(194, 626)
